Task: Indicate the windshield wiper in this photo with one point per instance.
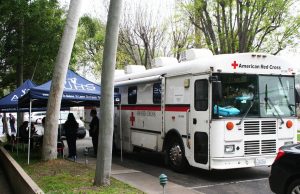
(268, 101)
(286, 98)
(246, 113)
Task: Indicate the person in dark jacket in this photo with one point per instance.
(4, 124)
(23, 131)
(94, 130)
(70, 128)
(12, 121)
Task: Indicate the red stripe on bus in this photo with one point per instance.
(153, 108)
(177, 108)
(169, 108)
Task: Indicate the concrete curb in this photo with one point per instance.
(19, 179)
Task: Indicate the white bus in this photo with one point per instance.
(215, 112)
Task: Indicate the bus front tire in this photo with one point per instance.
(175, 156)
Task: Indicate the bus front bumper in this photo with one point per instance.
(242, 162)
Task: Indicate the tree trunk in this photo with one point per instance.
(57, 86)
(20, 66)
(104, 155)
(198, 43)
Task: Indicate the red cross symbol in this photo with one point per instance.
(132, 119)
(234, 64)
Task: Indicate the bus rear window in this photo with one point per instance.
(157, 93)
(132, 95)
(201, 95)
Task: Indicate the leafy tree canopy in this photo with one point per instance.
(89, 44)
(30, 32)
(87, 52)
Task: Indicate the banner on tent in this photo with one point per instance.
(71, 84)
(15, 97)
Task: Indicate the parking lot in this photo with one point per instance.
(249, 180)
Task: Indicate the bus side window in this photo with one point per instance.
(201, 95)
(156, 93)
(132, 94)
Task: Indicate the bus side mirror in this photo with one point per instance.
(217, 90)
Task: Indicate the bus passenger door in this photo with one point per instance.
(199, 121)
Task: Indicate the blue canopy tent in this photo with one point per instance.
(9, 103)
(78, 91)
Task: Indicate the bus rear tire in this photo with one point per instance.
(175, 155)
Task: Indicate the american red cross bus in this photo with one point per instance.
(213, 112)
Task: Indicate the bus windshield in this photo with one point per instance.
(255, 96)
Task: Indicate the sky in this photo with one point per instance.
(94, 8)
(98, 8)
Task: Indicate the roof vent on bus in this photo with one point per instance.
(193, 53)
(134, 69)
(163, 61)
(119, 72)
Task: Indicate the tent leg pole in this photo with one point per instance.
(29, 130)
(121, 135)
(18, 135)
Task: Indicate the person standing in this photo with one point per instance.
(94, 130)
(1, 117)
(23, 131)
(4, 124)
(44, 125)
(33, 130)
(12, 121)
(71, 127)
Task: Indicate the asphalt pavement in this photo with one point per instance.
(142, 170)
(247, 180)
(4, 185)
(148, 183)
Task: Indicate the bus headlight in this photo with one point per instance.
(229, 148)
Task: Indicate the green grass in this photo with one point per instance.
(298, 137)
(63, 176)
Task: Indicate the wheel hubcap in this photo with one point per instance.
(296, 190)
(175, 154)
